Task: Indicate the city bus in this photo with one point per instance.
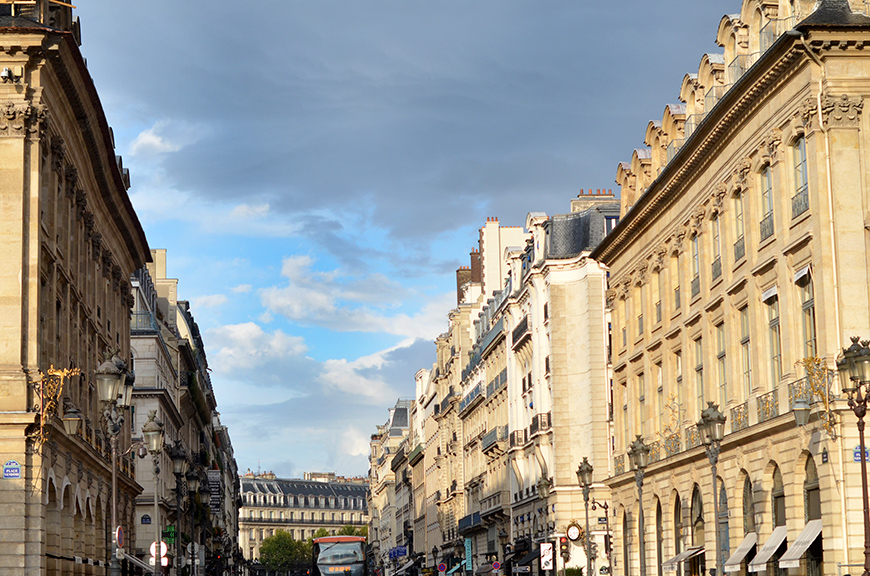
(339, 556)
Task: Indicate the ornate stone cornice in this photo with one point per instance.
(701, 147)
(842, 112)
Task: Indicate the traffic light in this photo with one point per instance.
(564, 547)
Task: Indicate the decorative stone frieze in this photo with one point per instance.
(717, 199)
(19, 119)
(841, 112)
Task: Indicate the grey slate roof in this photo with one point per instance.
(834, 13)
(303, 488)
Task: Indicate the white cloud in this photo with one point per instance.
(351, 304)
(208, 301)
(355, 443)
(247, 211)
(350, 376)
(242, 289)
(243, 347)
(150, 143)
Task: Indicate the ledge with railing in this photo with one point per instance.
(766, 226)
(800, 202)
(768, 406)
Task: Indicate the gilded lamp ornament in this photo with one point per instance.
(49, 391)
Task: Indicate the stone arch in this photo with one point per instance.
(50, 484)
(63, 486)
(692, 93)
(711, 72)
(52, 526)
(756, 23)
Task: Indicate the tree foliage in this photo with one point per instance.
(349, 530)
(281, 552)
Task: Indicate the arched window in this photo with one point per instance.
(660, 538)
(626, 534)
(812, 495)
(748, 508)
(724, 535)
(678, 526)
(813, 507)
(697, 565)
(777, 496)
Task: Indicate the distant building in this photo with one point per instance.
(298, 507)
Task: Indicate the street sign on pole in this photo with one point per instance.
(162, 548)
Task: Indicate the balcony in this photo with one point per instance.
(740, 65)
(693, 437)
(692, 124)
(521, 333)
(674, 147)
(540, 423)
(673, 444)
(800, 390)
(416, 455)
(774, 29)
(713, 96)
(471, 399)
(768, 406)
(490, 440)
(618, 464)
(766, 226)
(143, 323)
(655, 451)
(470, 523)
(740, 417)
(677, 298)
(517, 438)
(696, 286)
(739, 249)
(800, 202)
(716, 268)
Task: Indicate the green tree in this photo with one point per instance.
(281, 552)
(349, 530)
(321, 532)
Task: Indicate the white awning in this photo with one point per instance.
(769, 293)
(759, 563)
(671, 564)
(792, 556)
(404, 568)
(801, 274)
(735, 560)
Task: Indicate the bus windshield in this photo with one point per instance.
(340, 553)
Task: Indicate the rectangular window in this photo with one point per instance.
(808, 313)
(739, 245)
(745, 353)
(766, 203)
(660, 397)
(775, 340)
(800, 202)
(678, 371)
(696, 266)
(717, 248)
(699, 375)
(723, 369)
(675, 275)
(641, 391)
(641, 300)
(660, 285)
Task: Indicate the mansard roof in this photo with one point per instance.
(303, 487)
(834, 14)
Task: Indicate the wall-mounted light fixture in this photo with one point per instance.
(49, 389)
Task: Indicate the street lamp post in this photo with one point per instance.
(854, 369)
(584, 477)
(712, 428)
(179, 467)
(193, 487)
(638, 454)
(152, 431)
(109, 376)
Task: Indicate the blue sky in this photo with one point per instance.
(318, 169)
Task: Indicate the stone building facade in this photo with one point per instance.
(741, 257)
(69, 241)
(298, 507)
(517, 396)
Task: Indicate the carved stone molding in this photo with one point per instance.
(771, 146)
(718, 198)
(807, 110)
(677, 244)
(658, 260)
(58, 153)
(609, 296)
(842, 112)
(20, 119)
(96, 240)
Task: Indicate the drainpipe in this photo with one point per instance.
(836, 275)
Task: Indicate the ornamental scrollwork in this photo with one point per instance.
(842, 112)
(18, 119)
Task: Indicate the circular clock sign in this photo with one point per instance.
(573, 532)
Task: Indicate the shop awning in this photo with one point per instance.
(528, 558)
(483, 569)
(671, 564)
(404, 568)
(455, 568)
(735, 560)
(792, 556)
(759, 563)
